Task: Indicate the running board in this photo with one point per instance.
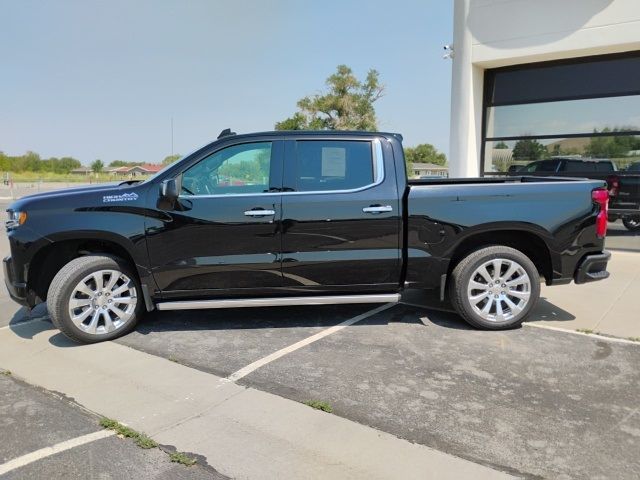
(279, 301)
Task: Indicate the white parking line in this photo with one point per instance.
(592, 335)
(252, 367)
(57, 448)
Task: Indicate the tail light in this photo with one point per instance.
(614, 185)
(601, 197)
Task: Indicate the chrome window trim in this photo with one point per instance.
(378, 175)
(378, 171)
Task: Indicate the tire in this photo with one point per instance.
(97, 313)
(632, 224)
(516, 293)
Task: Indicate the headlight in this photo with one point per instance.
(15, 219)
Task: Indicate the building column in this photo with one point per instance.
(466, 99)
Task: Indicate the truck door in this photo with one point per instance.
(341, 216)
(223, 234)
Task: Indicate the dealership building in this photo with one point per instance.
(544, 78)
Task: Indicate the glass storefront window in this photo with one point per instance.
(588, 154)
(564, 118)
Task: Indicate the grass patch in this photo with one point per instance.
(634, 339)
(585, 330)
(319, 405)
(5, 372)
(171, 358)
(179, 457)
(141, 439)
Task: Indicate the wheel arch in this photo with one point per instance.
(526, 241)
(50, 258)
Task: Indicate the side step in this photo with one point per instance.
(278, 301)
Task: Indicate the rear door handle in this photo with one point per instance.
(378, 209)
(259, 213)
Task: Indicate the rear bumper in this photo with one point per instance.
(592, 268)
(17, 290)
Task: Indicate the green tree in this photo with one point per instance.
(97, 166)
(528, 149)
(347, 104)
(612, 147)
(66, 164)
(171, 158)
(424, 153)
(500, 146)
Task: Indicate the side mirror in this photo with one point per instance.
(170, 190)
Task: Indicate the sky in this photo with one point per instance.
(103, 79)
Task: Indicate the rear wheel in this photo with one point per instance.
(631, 223)
(495, 287)
(94, 298)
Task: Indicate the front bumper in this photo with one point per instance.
(17, 290)
(592, 267)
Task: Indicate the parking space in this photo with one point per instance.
(47, 436)
(224, 341)
(531, 401)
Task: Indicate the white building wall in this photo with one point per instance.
(496, 33)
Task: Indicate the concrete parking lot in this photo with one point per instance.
(534, 402)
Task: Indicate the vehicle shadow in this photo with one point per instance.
(431, 312)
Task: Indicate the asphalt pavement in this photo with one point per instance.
(32, 420)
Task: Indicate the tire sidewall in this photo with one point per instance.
(61, 310)
(628, 226)
(463, 302)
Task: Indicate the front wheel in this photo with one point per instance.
(94, 298)
(495, 287)
(632, 223)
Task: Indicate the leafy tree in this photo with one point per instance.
(612, 147)
(424, 153)
(97, 166)
(500, 146)
(347, 105)
(528, 149)
(171, 158)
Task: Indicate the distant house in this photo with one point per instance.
(429, 170)
(82, 171)
(146, 169)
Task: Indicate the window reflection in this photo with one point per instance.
(566, 117)
(621, 151)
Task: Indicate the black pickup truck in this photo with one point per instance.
(300, 218)
(623, 185)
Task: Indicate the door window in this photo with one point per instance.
(238, 169)
(324, 165)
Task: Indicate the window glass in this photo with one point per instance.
(233, 170)
(564, 118)
(616, 152)
(333, 165)
(578, 166)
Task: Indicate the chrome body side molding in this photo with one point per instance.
(278, 301)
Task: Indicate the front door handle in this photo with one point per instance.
(259, 213)
(378, 209)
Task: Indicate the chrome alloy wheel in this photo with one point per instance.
(499, 290)
(103, 302)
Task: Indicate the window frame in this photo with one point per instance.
(489, 79)
(275, 169)
(290, 182)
